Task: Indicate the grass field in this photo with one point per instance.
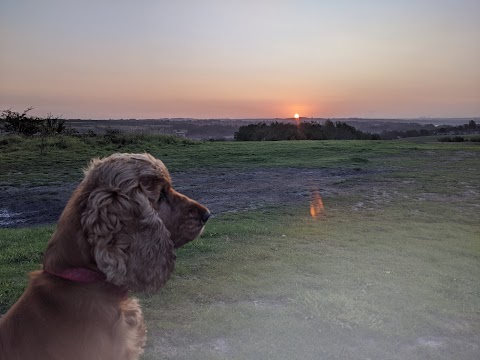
(389, 270)
(22, 161)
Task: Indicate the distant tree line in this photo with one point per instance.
(303, 131)
(337, 131)
(470, 128)
(458, 139)
(24, 124)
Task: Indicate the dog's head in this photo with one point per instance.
(131, 219)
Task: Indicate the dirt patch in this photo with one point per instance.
(220, 190)
(27, 206)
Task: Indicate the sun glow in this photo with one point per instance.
(296, 116)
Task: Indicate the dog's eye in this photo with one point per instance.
(164, 197)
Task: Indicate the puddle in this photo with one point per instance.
(8, 218)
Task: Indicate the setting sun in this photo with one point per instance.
(296, 116)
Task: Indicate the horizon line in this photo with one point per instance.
(423, 118)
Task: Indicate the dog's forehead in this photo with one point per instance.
(142, 165)
(153, 164)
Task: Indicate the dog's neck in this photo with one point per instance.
(81, 275)
(87, 276)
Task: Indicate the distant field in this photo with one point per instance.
(389, 270)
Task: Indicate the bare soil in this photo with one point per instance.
(220, 190)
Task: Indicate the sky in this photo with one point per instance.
(241, 59)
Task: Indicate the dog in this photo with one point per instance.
(117, 233)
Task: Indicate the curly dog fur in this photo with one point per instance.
(120, 228)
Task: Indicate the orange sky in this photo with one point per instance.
(249, 59)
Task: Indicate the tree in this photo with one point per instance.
(303, 131)
(20, 123)
(23, 124)
(52, 125)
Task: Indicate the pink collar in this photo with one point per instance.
(82, 275)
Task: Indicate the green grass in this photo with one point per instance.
(389, 271)
(22, 162)
(21, 251)
(278, 284)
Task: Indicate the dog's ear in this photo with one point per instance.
(131, 245)
(152, 254)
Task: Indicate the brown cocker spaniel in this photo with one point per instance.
(117, 233)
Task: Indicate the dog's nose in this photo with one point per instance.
(206, 216)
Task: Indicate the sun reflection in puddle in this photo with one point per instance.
(316, 205)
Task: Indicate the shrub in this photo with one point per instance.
(52, 126)
(23, 124)
(10, 140)
(452, 139)
(62, 144)
(20, 123)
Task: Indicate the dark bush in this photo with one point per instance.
(452, 139)
(303, 131)
(10, 140)
(62, 144)
(23, 124)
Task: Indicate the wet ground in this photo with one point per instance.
(220, 190)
